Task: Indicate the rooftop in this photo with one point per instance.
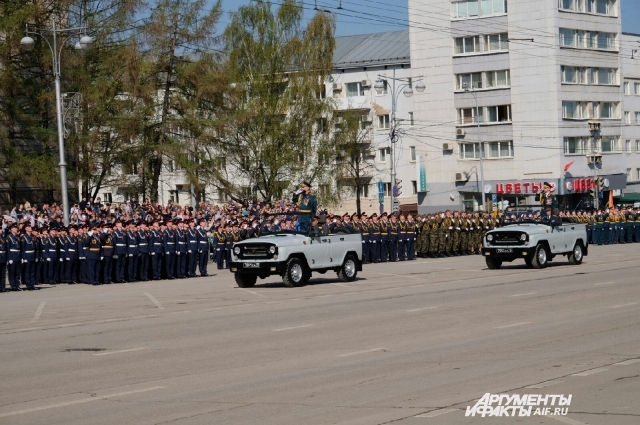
(382, 48)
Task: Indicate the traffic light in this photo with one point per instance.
(592, 192)
(397, 189)
(601, 186)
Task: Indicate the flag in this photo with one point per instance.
(566, 167)
(610, 203)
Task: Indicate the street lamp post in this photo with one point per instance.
(27, 44)
(393, 133)
(480, 144)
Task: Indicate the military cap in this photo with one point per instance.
(306, 184)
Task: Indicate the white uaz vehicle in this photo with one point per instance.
(295, 256)
(536, 242)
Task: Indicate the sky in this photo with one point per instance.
(368, 16)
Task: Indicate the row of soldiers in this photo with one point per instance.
(611, 226)
(102, 253)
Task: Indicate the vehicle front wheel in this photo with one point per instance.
(540, 257)
(348, 270)
(245, 280)
(492, 263)
(295, 274)
(576, 255)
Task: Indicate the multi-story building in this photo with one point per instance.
(543, 90)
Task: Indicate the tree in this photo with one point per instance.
(354, 159)
(272, 135)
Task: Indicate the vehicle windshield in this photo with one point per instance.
(282, 223)
(525, 214)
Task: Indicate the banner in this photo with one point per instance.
(421, 174)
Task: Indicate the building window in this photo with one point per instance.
(354, 89)
(387, 189)
(469, 151)
(636, 89)
(573, 75)
(383, 154)
(413, 152)
(637, 117)
(383, 121)
(467, 45)
(494, 42)
(411, 122)
(606, 41)
(493, 7)
(472, 81)
(606, 76)
(574, 5)
(626, 88)
(364, 191)
(498, 79)
(608, 110)
(500, 113)
(500, 149)
(609, 144)
(629, 175)
(572, 110)
(464, 9)
(414, 187)
(637, 145)
(587, 39)
(627, 146)
(468, 116)
(627, 117)
(574, 146)
(604, 7)
(637, 173)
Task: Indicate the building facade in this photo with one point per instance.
(544, 91)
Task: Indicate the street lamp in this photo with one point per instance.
(480, 145)
(27, 44)
(379, 86)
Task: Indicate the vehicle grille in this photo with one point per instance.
(251, 251)
(507, 238)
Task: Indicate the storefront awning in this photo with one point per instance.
(629, 198)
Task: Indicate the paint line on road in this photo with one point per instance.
(253, 292)
(628, 362)
(71, 403)
(435, 413)
(623, 305)
(421, 309)
(153, 300)
(591, 372)
(565, 419)
(522, 295)
(38, 312)
(512, 325)
(362, 352)
(545, 384)
(603, 283)
(292, 327)
(119, 351)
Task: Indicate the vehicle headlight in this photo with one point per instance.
(272, 249)
(236, 250)
(489, 238)
(523, 237)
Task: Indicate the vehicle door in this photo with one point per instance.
(556, 237)
(317, 251)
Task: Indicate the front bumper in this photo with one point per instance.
(509, 253)
(262, 268)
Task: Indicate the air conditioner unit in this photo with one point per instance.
(339, 120)
(447, 147)
(590, 159)
(594, 126)
(365, 83)
(337, 86)
(460, 177)
(365, 118)
(598, 159)
(460, 132)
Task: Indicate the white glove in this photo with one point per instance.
(153, 253)
(101, 258)
(61, 260)
(178, 253)
(10, 261)
(130, 255)
(115, 256)
(189, 251)
(200, 251)
(48, 259)
(24, 261)
(68, 259)
(450, 228)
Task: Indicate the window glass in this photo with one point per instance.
(499, 6)
(354, 89)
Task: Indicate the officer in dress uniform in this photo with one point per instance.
(143, 249)
(28, 258)
(402, 238)
(37, 244)
(307, 206)
(203, 247)
(45, 263)
(132, 253)
(54, 257)
(375, 237)
(411, 233)
(93, 256)
(228, 245)
(120, 253)
(156, 244)
(394, 237)
(14, 252)
(192, 249)
(62, 254)
(384, 236)
(3, 263)
(220, 241)
(83, 249)
(108, 249)
(181, 251)
(169, 242)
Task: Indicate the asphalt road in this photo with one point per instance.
(407, 343)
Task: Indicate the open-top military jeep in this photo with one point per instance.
(536, 242)
(295, 256)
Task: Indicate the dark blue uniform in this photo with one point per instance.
(3, 263)
(192, 252)
(156, 248)
(108, 250)
(181, 254)
(169, 242)
(54, 257)
(71, 269)
(93, 256)
(220, 242)
(203, 251)
(132, 256)
(14, 261)
(120, 255)
(143, 259)
(28, 261)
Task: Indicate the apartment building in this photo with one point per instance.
(544, 91)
